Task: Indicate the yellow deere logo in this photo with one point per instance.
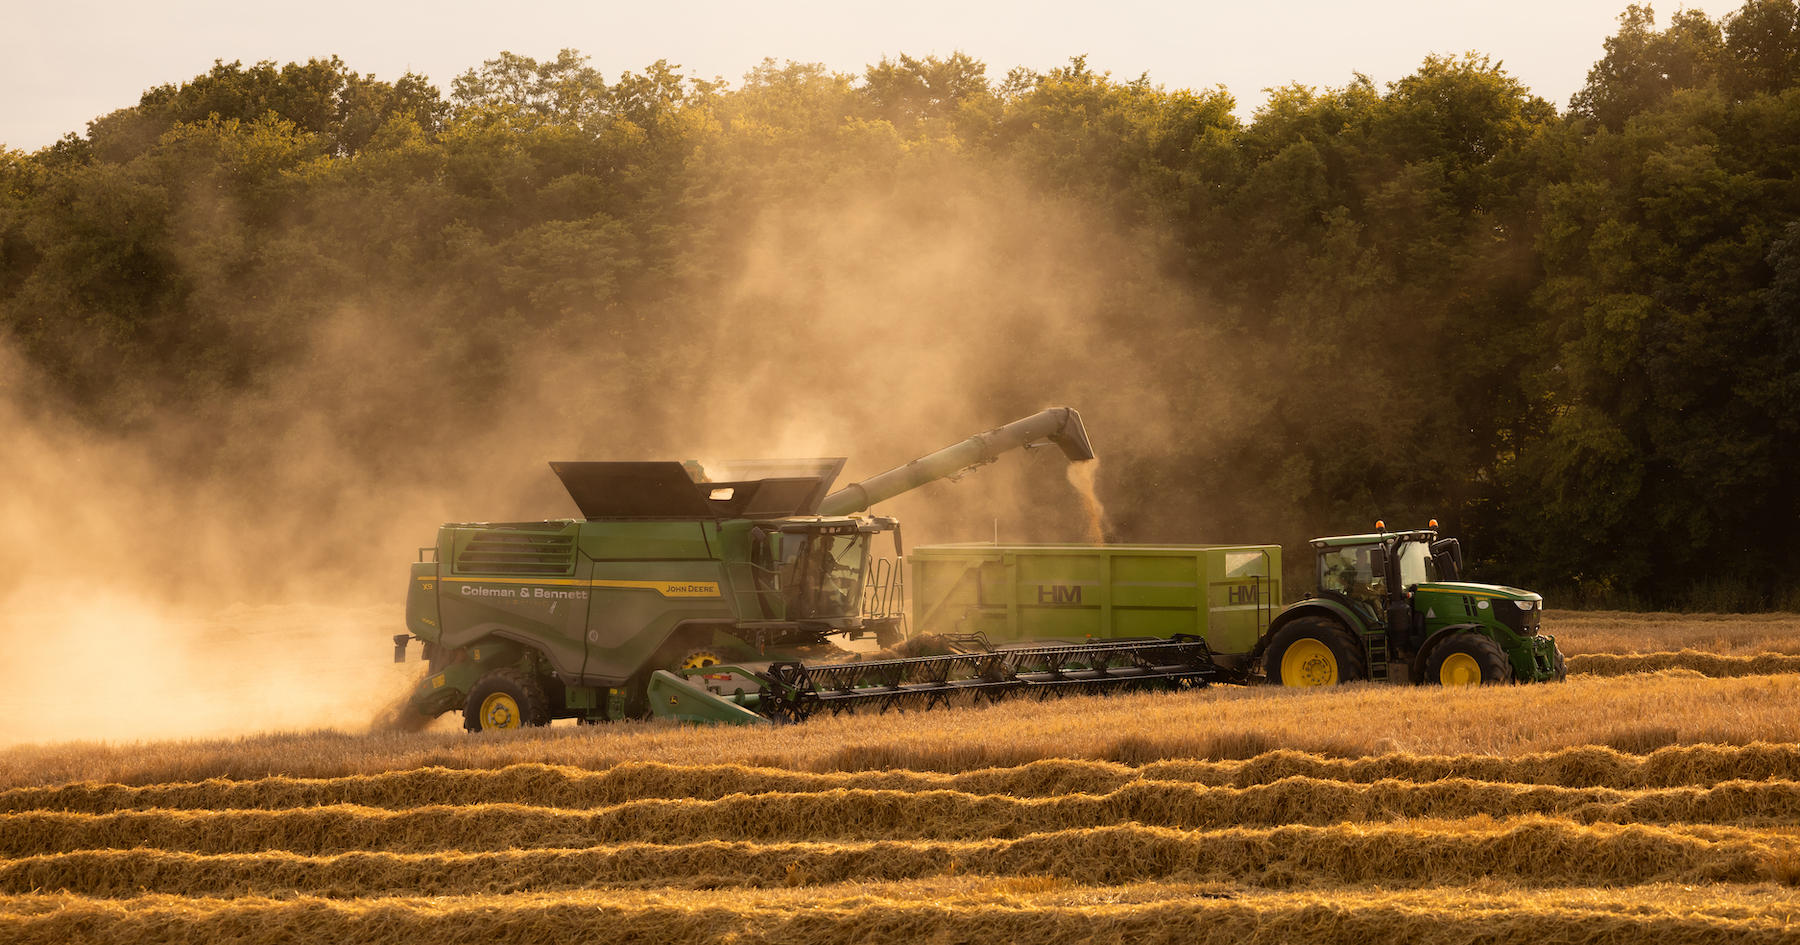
(669, 588)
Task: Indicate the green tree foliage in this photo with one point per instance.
(1668, 439)
(1571, 337)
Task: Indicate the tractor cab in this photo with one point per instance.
(1367, 572)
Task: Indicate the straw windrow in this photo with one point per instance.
(1535, 852)
(574, 788)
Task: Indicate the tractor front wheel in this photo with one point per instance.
(1468, 659)
(506, 698)
(1313, 651)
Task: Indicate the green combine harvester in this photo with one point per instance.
(714, 595)
(700, 594)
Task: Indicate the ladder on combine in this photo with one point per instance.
(794, 691)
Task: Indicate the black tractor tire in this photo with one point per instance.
(1314, 651)
(1460, 658)
(1558, 665)
(506, 698)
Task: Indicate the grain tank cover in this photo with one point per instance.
(822, 469)
(632, 490)
(665, 490)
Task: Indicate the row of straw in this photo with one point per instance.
(864, 815)
(808, 916)
(1531, 852)
(570, 787)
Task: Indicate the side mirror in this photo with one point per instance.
(1378, 561)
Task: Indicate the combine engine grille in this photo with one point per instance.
(508, 552)
(801, 690)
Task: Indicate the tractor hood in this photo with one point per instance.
(1491, 591)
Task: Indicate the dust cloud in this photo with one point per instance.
(239, 565)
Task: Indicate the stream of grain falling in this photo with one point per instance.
(1081, 476)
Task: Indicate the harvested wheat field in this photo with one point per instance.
(1629, 806)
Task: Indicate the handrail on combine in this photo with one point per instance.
(884, 591)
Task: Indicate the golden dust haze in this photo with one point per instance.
(154, 597)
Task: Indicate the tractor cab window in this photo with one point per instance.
(1417, 566)
(1346, 571)
(821, 572)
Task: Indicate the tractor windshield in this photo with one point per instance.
(1346, 571)
(821, 572)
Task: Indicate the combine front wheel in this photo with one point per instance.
(703, 657)
(505, 698)
(1468, 659)
(1313, 651)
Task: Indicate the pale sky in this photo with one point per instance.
(64, 63)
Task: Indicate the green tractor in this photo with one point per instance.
(1389, 607)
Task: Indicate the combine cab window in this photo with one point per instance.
(1347, 572)
(821, 572)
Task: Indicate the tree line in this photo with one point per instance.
(1574, 336)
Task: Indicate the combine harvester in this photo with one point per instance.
(709, 595)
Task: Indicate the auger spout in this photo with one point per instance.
(1059, 425)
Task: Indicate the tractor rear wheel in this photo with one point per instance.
(506, 698)
(1313, 651)
(1468, 659)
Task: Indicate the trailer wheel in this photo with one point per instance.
(1313, 651)
(506, 698)
(1468, 659)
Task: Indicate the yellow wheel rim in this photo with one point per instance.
(1309, 662)
(501, 711)
(700, 659)
(1460, 669)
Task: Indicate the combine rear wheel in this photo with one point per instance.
(1468, 659)
(1313, 651)
(505, 698)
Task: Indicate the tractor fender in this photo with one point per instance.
(1316, 607)
(1418, 660)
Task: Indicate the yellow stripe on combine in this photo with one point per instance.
(668, 588)
(665, 588)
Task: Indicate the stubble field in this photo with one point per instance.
(1654, 797)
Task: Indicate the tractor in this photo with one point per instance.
(1389, 607)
